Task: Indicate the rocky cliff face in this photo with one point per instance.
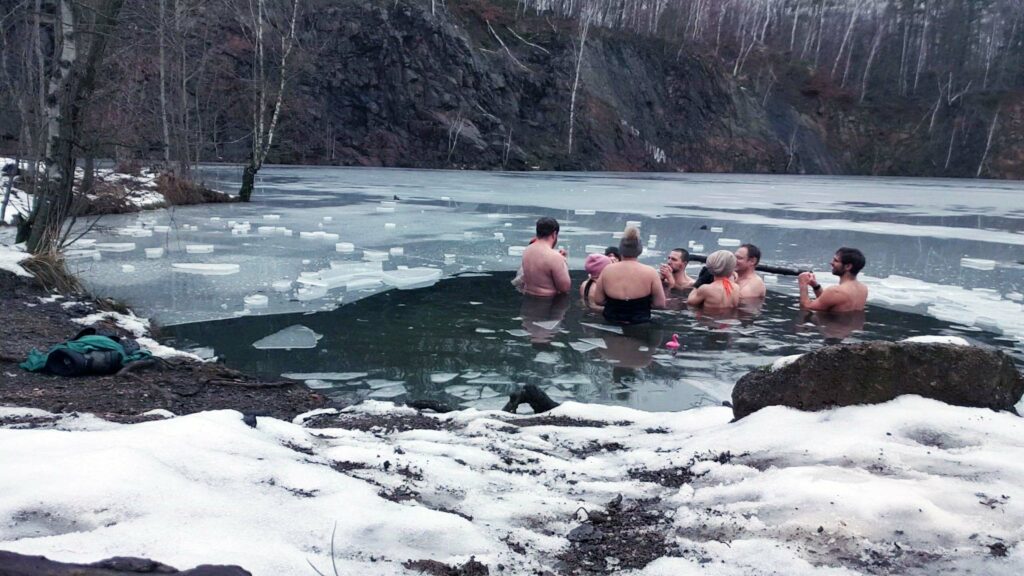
(475, 86)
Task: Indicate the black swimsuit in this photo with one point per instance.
(635, 311)
(586, 290)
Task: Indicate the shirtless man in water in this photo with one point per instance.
(545, 270)
(751, 285)
(849, 296)
(673, 271)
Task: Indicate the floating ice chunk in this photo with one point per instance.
(199, 248)
(306, 261)
(449, 258)
(495, 216)
(293, 337)
(335, 376)
(154, 253)
(583, 212)
(256, 301)
(310, 293)
(516, 250)
(161, 229)
(389, 226)
(412, 278)
(617, 235)
(690, 244)
(127, 268)
(362, 284)
(582, 347)
(484, 331)
(770, 279)
(115, 246)
(954, 340)
(605, 327)
(467, 235)
(715, 229)
(729, 242)
(329, 237)
(385, 209)
(375, 256)
(328, 219)
(311, 235)
(978, 263)
(633, 223)
(266, 230)
(271, 216)
(990, 324)
(499, 236)
(84, 243)
(1014, 296)
(599, 342)
(397, 251)
(281, 285)
(698, 247)
(548, 324)
(215, 218)
(508, 224)
(345, 247)
(784, 361)
(518, 333)
(316, 384)
(471, 375)
(135, 232)
(446, 198)
(594, 249)
(546, 358)
(442, 377)
(206, 269)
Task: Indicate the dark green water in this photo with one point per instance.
(472, 339)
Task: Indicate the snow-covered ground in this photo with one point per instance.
(909, 487)
(138, 190)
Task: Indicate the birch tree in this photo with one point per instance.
(268, 91)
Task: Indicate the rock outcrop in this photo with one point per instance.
(12, 564)
(875, 372)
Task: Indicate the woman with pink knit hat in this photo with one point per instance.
(594, 265)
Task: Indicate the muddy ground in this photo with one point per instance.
(178, 385)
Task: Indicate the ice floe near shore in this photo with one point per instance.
(912, 486)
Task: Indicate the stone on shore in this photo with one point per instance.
(875, 372)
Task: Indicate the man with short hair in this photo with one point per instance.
(750, 283)
(849, 296)
(545, 270)
(673, 271)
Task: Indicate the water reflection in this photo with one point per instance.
(472, 340)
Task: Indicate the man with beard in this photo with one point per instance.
(673, 271)
(750, 284)
(545, 270)
(849, 296)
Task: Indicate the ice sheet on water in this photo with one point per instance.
(978, 263)
(412, 278)
(604, 327)
(518, 333)
(154, 253)
(204, 269)
(318, 384)
(256, 301)
(293, 337)
(547, 324)
(546, 358)
(583, 347)
(334, 376)
(389, 392)
(442, 377)
(199, 248)
(378, 383)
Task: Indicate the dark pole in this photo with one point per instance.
(760, 267)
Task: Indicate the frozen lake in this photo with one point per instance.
(947, 251)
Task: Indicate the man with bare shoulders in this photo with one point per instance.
(545, 270)
(849, 296)
(673, 271)
(749, 282)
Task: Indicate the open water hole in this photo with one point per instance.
(470, 340)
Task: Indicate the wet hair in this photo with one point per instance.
(721, 263)
(613, 251)
(546, 226)
(752, 251)
(630, 245)
(684, 252)
(853, 257)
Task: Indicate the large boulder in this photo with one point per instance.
(874, 372)
(13, 564)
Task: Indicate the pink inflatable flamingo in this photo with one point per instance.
(673, 344)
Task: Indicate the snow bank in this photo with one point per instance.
(10, 256)
(921, 485)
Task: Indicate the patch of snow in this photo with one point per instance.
(954, 340)
(10, 256)
(784, 361)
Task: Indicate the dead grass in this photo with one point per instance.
(52, 274)
(181, 191)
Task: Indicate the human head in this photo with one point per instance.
(721, 263)
(747, 257)
(613, 253)
(630, 245)
(595, 263)
(678, 258)
(547, 227)
(848, 260)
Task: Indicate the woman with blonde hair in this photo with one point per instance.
(628, 289)
(722, 293)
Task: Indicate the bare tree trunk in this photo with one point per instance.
(871, 59)
(988, 144)
(584, 28)
(162, 34)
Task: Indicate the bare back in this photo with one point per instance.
(630, 280)
(715, 296)
(849, 296)
(545, 272)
